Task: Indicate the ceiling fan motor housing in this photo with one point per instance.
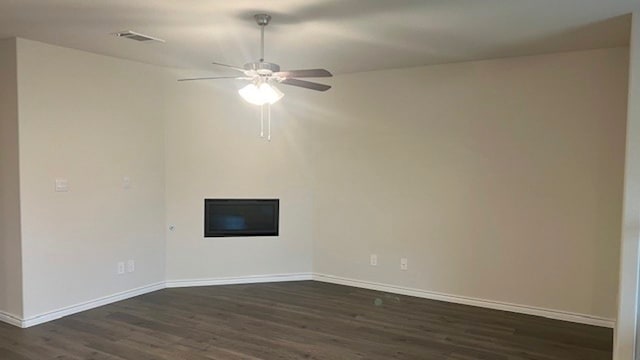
(262, 68)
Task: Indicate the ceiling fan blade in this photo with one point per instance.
(306, 84)
(229, 66)
(214, 78)
(313, 73)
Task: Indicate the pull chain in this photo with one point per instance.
(262, 110)
(269, 122)
(262, 121)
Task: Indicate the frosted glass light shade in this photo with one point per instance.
(260, 95)
(251, 94)
(270, 93)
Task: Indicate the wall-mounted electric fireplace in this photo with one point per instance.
(241, 217)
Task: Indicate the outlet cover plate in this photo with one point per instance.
(131, 266)
(404, 264)
(121, 268)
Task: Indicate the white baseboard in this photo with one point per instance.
(497, 305)
(251, 279)
(91, 304)
(10, 319)
(490, 304)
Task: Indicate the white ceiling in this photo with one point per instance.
(340, 35)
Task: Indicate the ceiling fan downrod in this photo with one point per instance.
(262, 20)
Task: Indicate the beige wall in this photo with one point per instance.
(10, 255)
(92, 120)
(627, 326)
(498, 180)
(213, 150)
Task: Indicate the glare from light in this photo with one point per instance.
(251, 94)
(260, 95)
(270, 93)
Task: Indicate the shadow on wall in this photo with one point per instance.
(610, 33)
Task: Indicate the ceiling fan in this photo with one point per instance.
(263, 75)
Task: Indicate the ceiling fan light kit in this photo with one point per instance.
(263, 75)
(261, 94)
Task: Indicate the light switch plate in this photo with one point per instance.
(126, 182)
(62, 185)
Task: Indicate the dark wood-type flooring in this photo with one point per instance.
(299, 320)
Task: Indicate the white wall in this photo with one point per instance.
(499, 180)
(213, 150)
(92, 120)
(10, 255)
(626, 330)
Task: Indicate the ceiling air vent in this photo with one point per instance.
(137, 36)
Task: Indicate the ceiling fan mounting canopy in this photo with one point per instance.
(262, 19)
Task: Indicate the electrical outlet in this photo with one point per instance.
(373, 260)
(120, 267)
(131, 266)
(404, 264)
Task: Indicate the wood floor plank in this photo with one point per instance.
(300, 320)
